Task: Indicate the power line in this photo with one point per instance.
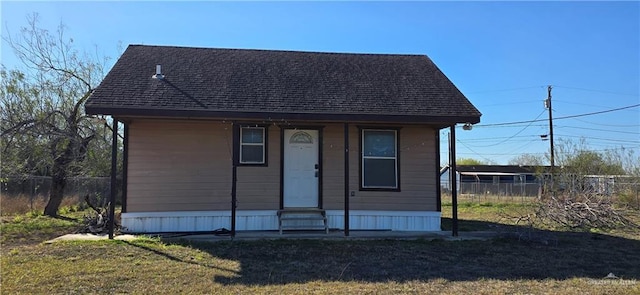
(509, 126)
(596, 90)
(608, 125)
(510, 103)
(595, 129)
(600, 112)
(592, 140)
(500, 154)
(510, 137)
(579, 103)
(545, 125)
(560, 118)
(522, 146)
(504, 90)
(494, 138)
(599, 138)
(608, 144)
(481, 156)
(543, 153)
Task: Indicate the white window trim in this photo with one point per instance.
(395, 158)
(242, 144)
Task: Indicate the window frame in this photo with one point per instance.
(362, 132)
(264, 145)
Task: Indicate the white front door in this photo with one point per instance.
(301, 168)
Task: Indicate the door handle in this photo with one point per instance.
(316, 173)
(317, 166)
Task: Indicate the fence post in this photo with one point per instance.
(33, 187)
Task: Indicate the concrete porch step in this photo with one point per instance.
(302, 219)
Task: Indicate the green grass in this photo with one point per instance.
(484, 216)
(33, 227)
(571, 263)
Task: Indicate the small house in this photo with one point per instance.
(271, 140)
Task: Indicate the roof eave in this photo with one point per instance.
(273, 116)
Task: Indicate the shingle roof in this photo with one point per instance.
(241, 83)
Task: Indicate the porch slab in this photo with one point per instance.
(89, 237)
(294, 235)
(334, 235)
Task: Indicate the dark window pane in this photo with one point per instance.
(380, 173)
(252, 154)
(506, 179)
(252, 135)
(485, 178)
(467, 178)
(379, 143)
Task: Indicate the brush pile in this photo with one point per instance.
(98, 221)
(582, 212)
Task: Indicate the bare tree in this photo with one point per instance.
(469, 161)
(528, 160)
(43, 106)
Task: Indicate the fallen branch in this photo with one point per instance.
(91, 205)
(582, 212)
(97, 223)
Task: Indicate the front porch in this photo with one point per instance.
(306, 235)
(334, 235)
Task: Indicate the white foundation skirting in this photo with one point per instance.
(193, 221)
(386, 220)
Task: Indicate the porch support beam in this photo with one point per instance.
(453, 180)
(125, 165)
(438, 174)
(114, 171)
(346, 179)
(234, 176)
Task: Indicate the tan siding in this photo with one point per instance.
(179, 165)
(258, 187)
(186, 165)
(417, 172)
(333, 167)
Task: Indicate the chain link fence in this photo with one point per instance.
(489, 192)
(628, 193)
(35, 190)
(624, 192)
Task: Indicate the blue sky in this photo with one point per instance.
(501, 55)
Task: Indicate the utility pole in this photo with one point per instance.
(552, 158)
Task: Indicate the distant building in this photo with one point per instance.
(498, 180)
(512, 180)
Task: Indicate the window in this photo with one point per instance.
(252, 145)
(301, 137)
(379, 159)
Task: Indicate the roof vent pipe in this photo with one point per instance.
(158, 74)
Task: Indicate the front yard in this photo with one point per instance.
(561, 262)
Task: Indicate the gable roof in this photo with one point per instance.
(241, 83)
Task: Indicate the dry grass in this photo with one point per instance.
(21, 204)
(486, 198)
(498, 266)
(574, 264)
(503, 217)
(483, 216)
